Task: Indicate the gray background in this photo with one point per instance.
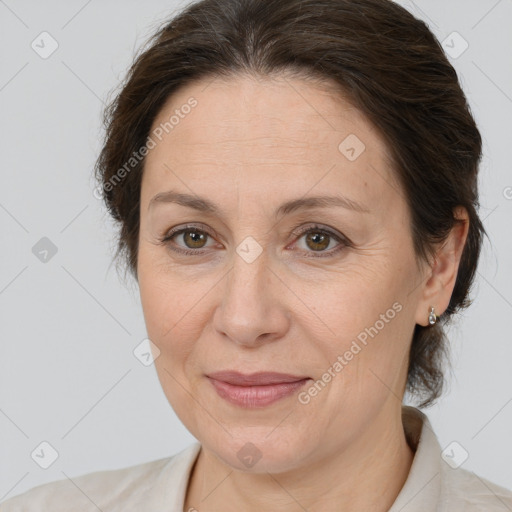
(68, 375)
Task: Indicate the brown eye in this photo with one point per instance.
(317, 241)
(321, 241)
(188, 240)
(194, 239)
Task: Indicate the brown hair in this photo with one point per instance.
(385, 61)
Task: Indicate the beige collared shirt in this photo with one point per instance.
(433, 485)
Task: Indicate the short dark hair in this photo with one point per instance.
(386, 62)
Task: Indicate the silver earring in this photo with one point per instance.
(432, 318)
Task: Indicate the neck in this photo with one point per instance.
(367, 475)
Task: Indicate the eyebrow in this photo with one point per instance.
(206, 206)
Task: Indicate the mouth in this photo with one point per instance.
(255, 390)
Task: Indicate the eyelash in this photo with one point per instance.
(343, 242)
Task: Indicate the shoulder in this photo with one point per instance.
(84, 492)
(463, 488)
(437, 482)
(109, 490)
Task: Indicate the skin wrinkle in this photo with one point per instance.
(284, 311)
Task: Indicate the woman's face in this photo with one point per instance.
(328, 291)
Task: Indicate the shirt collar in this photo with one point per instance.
(422, 489)
(420, 492)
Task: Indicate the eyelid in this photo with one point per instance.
(178, 229)
(297, 232)
(300, 230)
(171, 233)
(314, 227)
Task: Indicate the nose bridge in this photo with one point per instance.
(249, 309)
(248, 281)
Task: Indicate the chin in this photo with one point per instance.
(254, 450)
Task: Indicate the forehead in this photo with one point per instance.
(282, 132)
(244, 106)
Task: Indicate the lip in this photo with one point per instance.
(255, 379)
(255, 390)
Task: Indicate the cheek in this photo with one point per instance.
(361, 375)
(169, 300)
(174, 319)
(351, 301)
(175, 308)
(364, 330)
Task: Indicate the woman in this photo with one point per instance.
(295, 183)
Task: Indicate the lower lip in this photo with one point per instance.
(256, 396)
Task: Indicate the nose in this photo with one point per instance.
(252, 310)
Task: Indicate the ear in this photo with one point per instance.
(442, 272)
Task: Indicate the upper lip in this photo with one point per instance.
(255, 379)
